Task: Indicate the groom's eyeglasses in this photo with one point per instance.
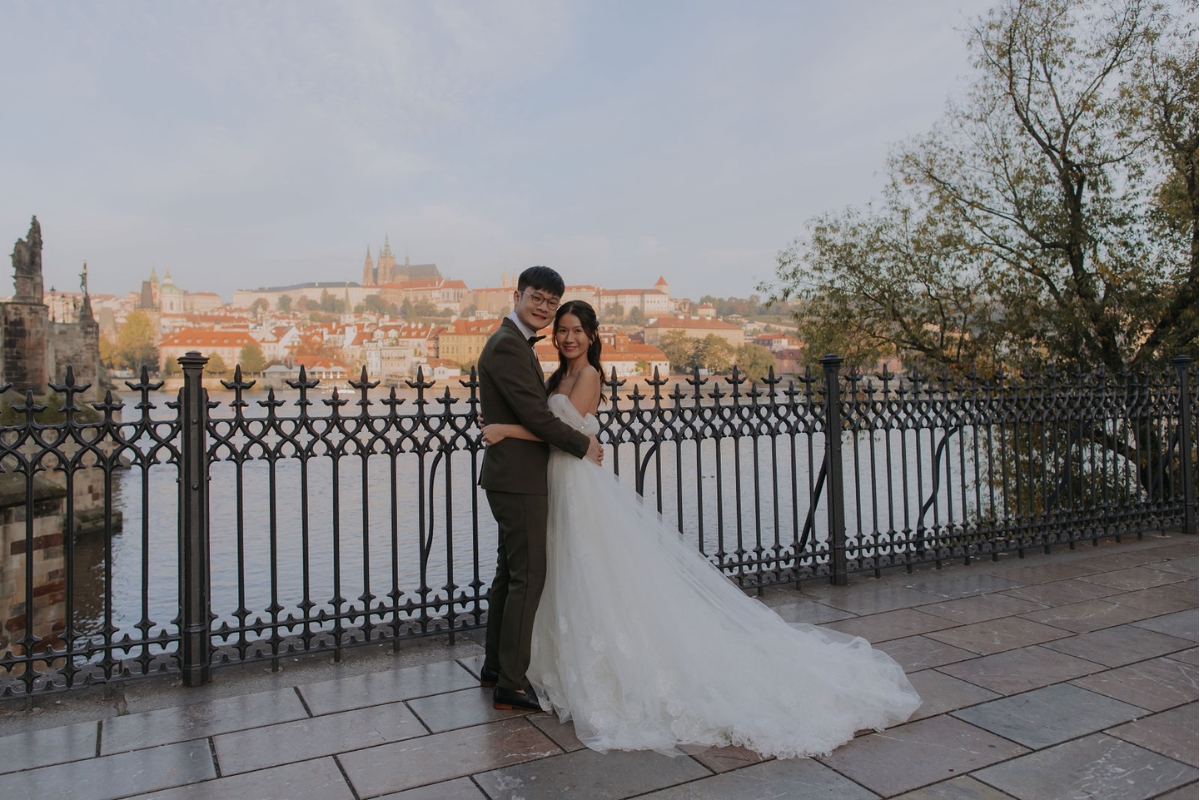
(539, 299)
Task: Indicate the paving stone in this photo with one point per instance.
(1155, 685)
(1133, 578)
(863, 598)
(913, 755)
(810, 611)
(444, 712)
(981, 608)
(1122, 557)
(998, 635)
(1172, 733)
(1020, 670)
(1061, 593)
(473, 664)
(1115, 647)
(1044, 573)
(457, 789)
(115, 776)
(561, 733)
(770, 780)
(941, 693)
(390, 686)
(588, 774)
(1183, 548)
(963, 787)
(1189, 792)
(1097, 767)
(1159, 599)
(443, 756)
(890, 625)
(311, 738)
(48, 746)
(308, 780)
(195, 721)
(1048, 716)
(1187, 656)
(723, 759)
(1181, 624)
(919, 652)
(1182, 566)
(1089, 615)
(967, 584)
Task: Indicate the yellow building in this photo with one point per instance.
(462, 340)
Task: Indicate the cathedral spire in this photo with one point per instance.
(368, 270)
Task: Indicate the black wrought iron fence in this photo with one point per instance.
(143, 535)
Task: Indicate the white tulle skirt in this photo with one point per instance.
(644, 644)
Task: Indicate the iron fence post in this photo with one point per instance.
(1182, 368)
(195, 591)
(833, 469)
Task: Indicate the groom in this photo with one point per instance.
(511, 391)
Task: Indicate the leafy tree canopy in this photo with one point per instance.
(1050, 216)
(251, 358)
(216, 366)
(135, 344)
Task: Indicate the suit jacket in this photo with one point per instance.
(511, 392)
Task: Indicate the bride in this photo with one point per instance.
(644, 644)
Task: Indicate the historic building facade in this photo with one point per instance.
(38, 350)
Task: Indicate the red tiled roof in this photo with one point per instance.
(192, 337)
(467, 327)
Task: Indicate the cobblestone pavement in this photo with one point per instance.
(1068, 675)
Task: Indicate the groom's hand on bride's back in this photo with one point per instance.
(595, 451)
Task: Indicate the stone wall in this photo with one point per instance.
(49, 566)
(23, 332)
(76, 344)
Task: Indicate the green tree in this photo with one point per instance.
(374, 304)
(714, 354)
(680, 350)
(108, 352)
(215, 367)
(614, 312)
(259, 304)
(284, 303)
(755, 361)
(635, 316)
(251, 358)
(135, 343)
(1050, 216)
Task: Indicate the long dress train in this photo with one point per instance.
(644, 644)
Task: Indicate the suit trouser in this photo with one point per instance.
(517, 587)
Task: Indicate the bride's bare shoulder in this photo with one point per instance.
(585, 393)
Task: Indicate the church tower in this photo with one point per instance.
(387, 264)
(368, 270)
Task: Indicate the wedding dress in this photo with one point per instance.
(644, 644)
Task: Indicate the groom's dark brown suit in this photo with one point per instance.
(513, 474)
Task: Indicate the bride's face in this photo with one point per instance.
(570, 337)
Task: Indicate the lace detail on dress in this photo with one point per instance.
(646, 645)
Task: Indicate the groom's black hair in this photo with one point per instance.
(543, 279)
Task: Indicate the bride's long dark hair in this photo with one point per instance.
(591, 326)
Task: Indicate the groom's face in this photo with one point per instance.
(535, 307)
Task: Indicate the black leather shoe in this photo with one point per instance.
(488, 676)
(508, 699)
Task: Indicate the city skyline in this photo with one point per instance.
(240, 146)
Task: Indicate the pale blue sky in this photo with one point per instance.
(246, 144)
